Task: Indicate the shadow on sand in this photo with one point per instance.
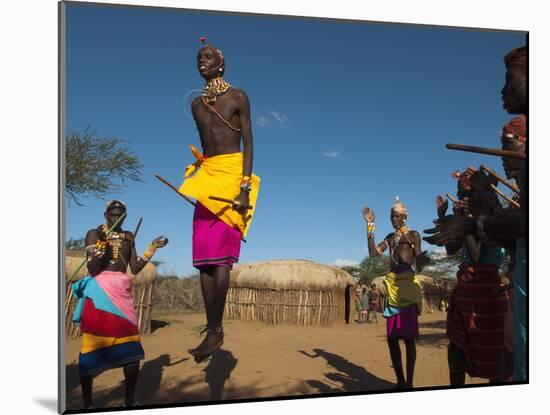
(158, 324)
(152, 391)
(348, 377)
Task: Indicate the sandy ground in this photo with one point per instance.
(258, 360)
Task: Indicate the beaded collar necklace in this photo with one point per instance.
(213, 88)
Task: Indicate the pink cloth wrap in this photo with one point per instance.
(403, 325)
(118, 286)
(215, 243)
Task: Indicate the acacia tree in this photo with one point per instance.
(369, 268)
(97, 166)
(442, 265)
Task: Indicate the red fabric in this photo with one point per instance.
(516, 127)
(101, 323)
(475, 319)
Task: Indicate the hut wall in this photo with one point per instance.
(286, 307)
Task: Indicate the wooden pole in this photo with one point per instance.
(501, 194)
(488, 151)
(505, 182)
(453, 200)
(222, 199)
(171, 186)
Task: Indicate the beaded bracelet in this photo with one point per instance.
(149, 252)
(100, 247)
(370, 229)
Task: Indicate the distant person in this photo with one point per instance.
(364, 305)
(374, 303)
(358, 301)
(404, 295)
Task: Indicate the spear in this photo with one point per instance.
(120, 219)
(171, 186)
(505, 182)
(487, 150)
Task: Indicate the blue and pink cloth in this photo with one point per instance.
(108, 322)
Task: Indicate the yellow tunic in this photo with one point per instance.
(403, 290)
(220, 176)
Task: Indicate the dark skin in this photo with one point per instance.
(96, 265)
(481, 205)
(408, 253)
(509, 225)
(514, 92)
(512, 167)
(217, 139)
(408, 250)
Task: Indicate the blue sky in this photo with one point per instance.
(344, 114)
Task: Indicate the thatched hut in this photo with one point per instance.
(142, 291)
(433, 290)
(289, 292)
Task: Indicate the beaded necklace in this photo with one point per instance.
(398, 234)
(115, 242)
(213, 88)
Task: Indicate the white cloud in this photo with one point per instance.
(263, 121)
(274, 118)
(346, 263)
(281, 119)
(333, 155)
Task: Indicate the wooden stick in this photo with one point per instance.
(137, 228)
(488, 151)
(505, 182)
(501, 194)
(222, 199)
(453, 200)
(108, 233)
(171, 186)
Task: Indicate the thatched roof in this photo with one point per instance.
(428, 284)
(289, 274)
(147, 275)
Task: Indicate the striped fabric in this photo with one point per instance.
(108, 322)
(475, 319)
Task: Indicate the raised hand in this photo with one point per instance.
(451, 228)
(368, 214)
(160, 242)
(442, 206)
(101, 232)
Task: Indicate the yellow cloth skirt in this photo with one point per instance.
(220, 176)
(403, 289)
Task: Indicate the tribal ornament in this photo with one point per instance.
(214, 88)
